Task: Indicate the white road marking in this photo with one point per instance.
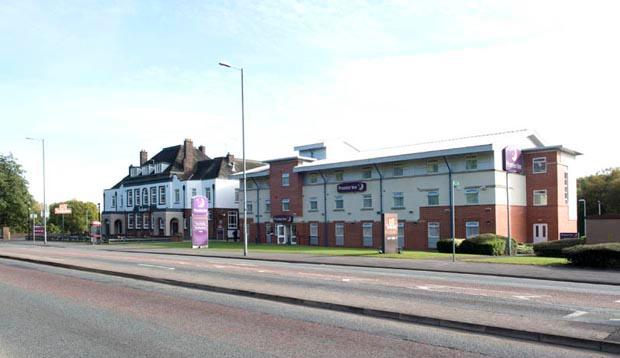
(155, 266)
(424, 288)
(526, 298)
(575, 314)
(219, 266)
(261, 271)
(346, 279)
(618, 301)
(615, 319)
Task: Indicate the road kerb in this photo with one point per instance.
(574, 342)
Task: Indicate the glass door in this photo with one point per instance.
(281, 234)
(540, 232)
(293, 231)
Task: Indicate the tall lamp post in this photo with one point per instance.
(42, 140)
(245, 186)
(584, 216)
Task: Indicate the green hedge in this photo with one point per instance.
(554, 248)
(598, 255)
(525, 249)
(445, 245)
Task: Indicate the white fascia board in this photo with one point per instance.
(553, 147)
(395, 158)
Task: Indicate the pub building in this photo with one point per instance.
(331, 194)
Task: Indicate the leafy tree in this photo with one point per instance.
(15, 200)
(82, 213)
(603, 186)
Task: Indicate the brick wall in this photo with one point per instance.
(293, 192)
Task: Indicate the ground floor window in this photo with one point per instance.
(472, 229)
(130, 221)
(233, 219)
(433, 234)
(145, 221)
(401, 234)
(367, 234)
(339, 234)
(138, 221)
(314, 234)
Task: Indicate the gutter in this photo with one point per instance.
(325, 226)
(381, 207)
(257, 210)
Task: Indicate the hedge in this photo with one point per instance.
(485, 244)
(445, 245)
(597, 255)
(554, 248)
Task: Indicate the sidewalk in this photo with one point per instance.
(553, 273)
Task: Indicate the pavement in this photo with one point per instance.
(55, 312)
(581, 314)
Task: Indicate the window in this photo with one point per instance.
(565, 187)
(137, 195)
(367, 201)
(236, 196)
(433, 198)
(401, 234)
(339, 234)
(313, 178)
(129, 198)
(285, 204)
(339, 176)
(130, 221)
(193, 192)
(472, 229)
(233, 217)
(471, 195)
(471, 162)
(145, 196)
(162, 195)
(138, 221)
(367, 234)
(161, 224)
(314, 204)
(267, 205)
(366, 173)
(208, 194)
(540, 197)
(250, 207)
(398, 170)
(153, 195)
(433, 230)
(285, 179)
(177, 196)
(539, 165)
(145, 221)
(314, 233)
(432, 166)
(399, 199)
(339, 201)
(114, 200)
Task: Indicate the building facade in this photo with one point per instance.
(310, 199)
(154, 199)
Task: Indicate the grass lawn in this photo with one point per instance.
(521, 260)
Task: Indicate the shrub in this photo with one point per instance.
(445, 245)
(525, 249)
(486, 244)
(598, 255)
(554, 248)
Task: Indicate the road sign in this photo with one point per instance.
(200, 222)
(38, 230)
(62, 209)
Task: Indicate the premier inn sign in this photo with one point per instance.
(351, 187)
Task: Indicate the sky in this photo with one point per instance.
(101, 80)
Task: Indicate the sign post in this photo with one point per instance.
(390, 233)
(513, 163)
(200, 222)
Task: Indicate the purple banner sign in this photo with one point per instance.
(351, 187)
(282, 219)
(569, 235)
(513, 160)
(200, 222)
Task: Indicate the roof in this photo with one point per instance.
(261, 171)
(293, 157)
(553, 147)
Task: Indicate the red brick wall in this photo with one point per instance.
(518, 222)
(293, 192)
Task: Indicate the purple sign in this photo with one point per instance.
(200, 222)
(569, 235)
(513, 160)
(351, 187)
(282, 218)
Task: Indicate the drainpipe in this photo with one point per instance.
(452, 232)
(325, 208)
(257, 210)
(381, 207)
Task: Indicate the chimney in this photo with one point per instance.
(230, 160)
(143, 157)
(188, 158)
(202, 149)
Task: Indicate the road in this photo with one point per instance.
(56, 312)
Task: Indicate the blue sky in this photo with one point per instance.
(101, 80)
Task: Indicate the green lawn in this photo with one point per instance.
(521, 260)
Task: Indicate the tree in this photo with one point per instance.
(15, 200)
(603, 186)
(82, 213)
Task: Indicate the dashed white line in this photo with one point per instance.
(155, 266)
(615, 319)
(346, 279)
(261, 271)
(575, 314)
(618, 301)
(526, 298)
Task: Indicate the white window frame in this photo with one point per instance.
(542, 160)
(208, 195)
(367, 228)
(286, 179)
(401, 232)
(435, 194)
(233, 220)
(153, 195)
(566, 188)
(138, 221)
(237, 191)
(136, 194)
(162, 224)
(471, 162)
(177, 196)
(145, 196)
(338, 199)
(367, 199)
(129, 221)
(470, 225)
(339, 175)
(432, 166)
(313, 179)
(250, 207)
(367, 173)
(468, 195)
(129, 198)
(194, 192)
(314, 230)
(400, 196)
(162, 195)
(398, 170)
(432, 226)
(286, 204)
(339, 233)
(314, 204)
(541, 193)
(267, 205)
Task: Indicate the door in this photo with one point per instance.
(281, 234)
(540, 232)
(293, 234)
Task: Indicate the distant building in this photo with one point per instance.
(154, 199)
(311, 197)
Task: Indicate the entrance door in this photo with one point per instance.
(540, 232)
(281, 234)
(293, 233)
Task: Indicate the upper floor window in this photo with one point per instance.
(145, 196)
(177, 196)
(250, 207)
(565, 187)
(153, 195)
(162, 195)
(286, 203)
(137, 195)
(432, 166)
(267, 205)
(314, 178)
(314, 204)
(114, 200)
(471, 162)
(540, 197)
(129, 198)
(285, 179)
(193, 192)
(339, 176)
(472, 195)
(367, 201)
(399, 200)
(208, 195)
(339, 202)
(398, 170)
(539, 165)
(236, 195)
(366, 173)
(433, 198)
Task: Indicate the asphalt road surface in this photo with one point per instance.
(53, 312)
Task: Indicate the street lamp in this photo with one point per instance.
(44, 201)
(584, 216)
(245, 187)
